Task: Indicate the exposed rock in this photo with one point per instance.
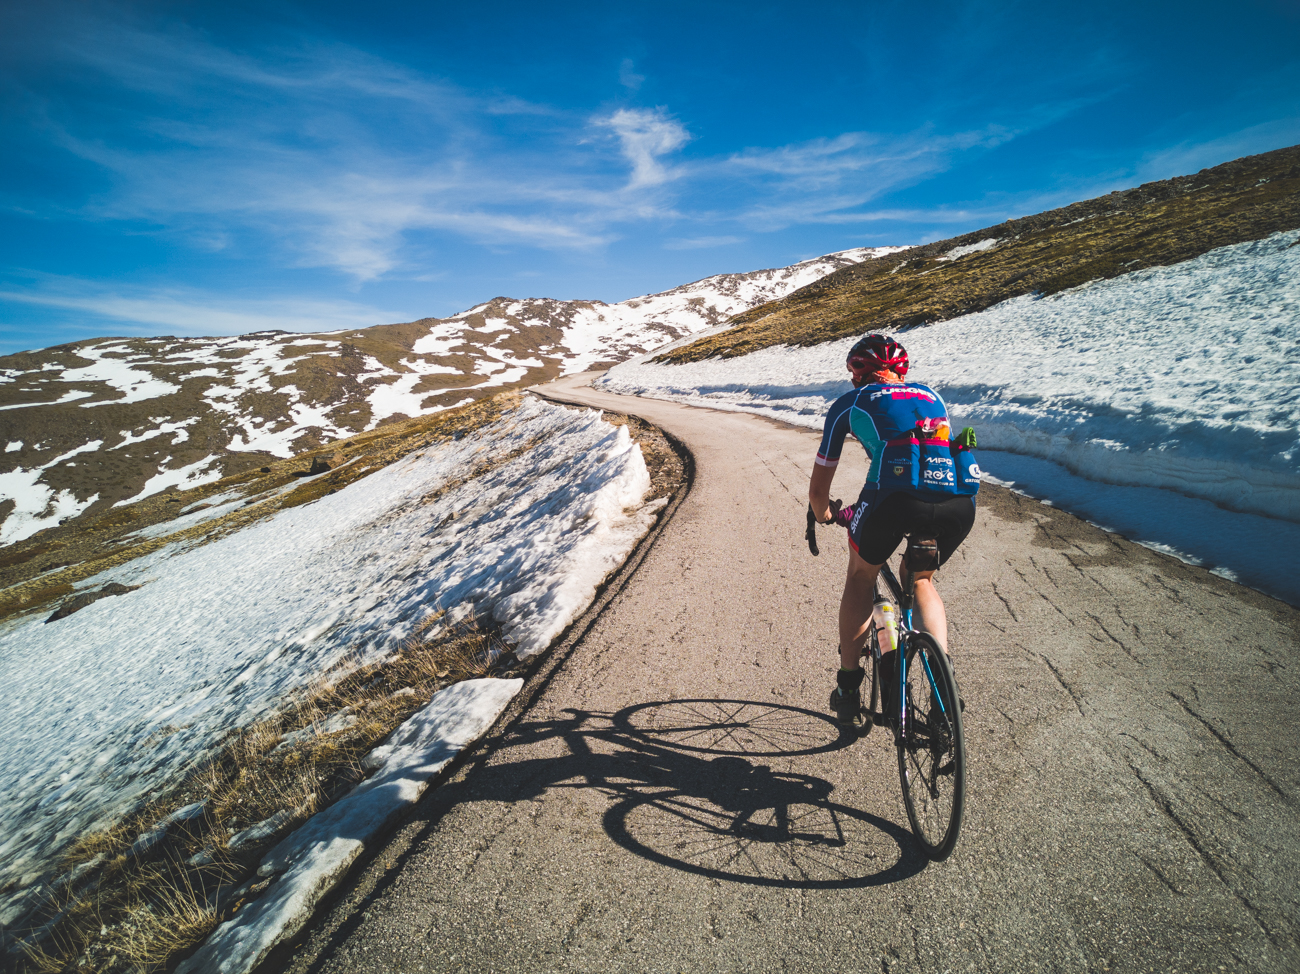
(78, 602)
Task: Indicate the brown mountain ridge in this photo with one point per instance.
(1155, 224)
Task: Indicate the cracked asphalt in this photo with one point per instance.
(675, 797)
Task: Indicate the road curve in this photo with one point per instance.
(677, 799)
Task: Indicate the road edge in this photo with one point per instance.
(537, 674)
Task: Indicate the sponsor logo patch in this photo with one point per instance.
(902, 392)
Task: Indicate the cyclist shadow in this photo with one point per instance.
(688, 790)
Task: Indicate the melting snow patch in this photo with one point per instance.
(36, 505)
(180, 434)
(399, 396)
(194, 474)
(987, 244)
(310, 861)
(136, 385)
(71, 396)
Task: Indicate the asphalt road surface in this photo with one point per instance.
(676, 797)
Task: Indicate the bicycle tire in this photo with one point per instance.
(873, 701)
(932, 751)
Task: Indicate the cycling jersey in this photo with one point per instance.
(904, 429)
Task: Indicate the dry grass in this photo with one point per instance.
(118, 911)
(161, 912)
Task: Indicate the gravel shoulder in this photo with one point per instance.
(676, 798)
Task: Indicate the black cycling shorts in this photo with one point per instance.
(948, 520)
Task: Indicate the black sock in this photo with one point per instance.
(850, 680)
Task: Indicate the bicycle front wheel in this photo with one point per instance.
(931, 748)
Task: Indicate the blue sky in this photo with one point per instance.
(212, 168)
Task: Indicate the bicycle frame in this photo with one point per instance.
(931, 746)
(905, 598)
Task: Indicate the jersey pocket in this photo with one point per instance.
(968, 472)
(898, 469)
(938, 470)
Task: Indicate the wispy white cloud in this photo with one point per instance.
(194, 313)
(830, 180)
(701, 243)
(335, 155)
(645, 136)
(326, 156)
(628, 77)
(1189, 156)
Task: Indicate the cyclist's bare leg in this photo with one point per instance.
(855, 609)
(933, 617)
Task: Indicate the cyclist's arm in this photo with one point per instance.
(819, 491)
(834, 431)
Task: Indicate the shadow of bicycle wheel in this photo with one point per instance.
(753, 826)
(728, 817)
(746, 727)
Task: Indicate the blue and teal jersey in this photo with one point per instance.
(905, 430)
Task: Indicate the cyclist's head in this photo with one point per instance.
(876, 353)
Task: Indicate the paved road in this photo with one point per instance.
(676, 798)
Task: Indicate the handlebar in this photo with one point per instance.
(811, 534)
(840, 515)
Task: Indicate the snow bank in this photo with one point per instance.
(1183, 379)
(309, 862)
(108, 703)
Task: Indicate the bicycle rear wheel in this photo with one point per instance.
(931, 748)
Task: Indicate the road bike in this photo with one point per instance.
(923, 710)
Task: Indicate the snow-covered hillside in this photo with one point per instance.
(1164, 404)
(112, 701)
(97, 423)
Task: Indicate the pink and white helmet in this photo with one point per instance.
(875, 353)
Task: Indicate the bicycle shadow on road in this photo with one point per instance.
(687, 789)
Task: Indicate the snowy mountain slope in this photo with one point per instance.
(1164, 404)
(517, 522)
(92, 424)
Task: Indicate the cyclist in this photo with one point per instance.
(919, 481)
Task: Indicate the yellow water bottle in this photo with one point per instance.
(889, 623)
